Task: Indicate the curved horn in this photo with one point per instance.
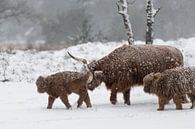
(84, 61)
(85, 66)
(90, 77)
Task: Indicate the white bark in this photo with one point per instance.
(150, 13)
(123, 10)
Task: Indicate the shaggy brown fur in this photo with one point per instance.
(62, 84)
(127, 65)
(171, 84)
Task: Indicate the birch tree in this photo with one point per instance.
(123, 10)
(150, 13)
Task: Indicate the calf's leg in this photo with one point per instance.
(83, 96)
(162, 101)
(64, 99)
(87, 101)
(184, 99)
(178, 102)
(192, 99)
(50, 102)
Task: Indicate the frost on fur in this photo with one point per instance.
(171, 84)
(127, 65)
(62, 84)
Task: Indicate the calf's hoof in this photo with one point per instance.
(79, 104)
(69, 107)
(89, 106)
(160, 109)
(49, 107)
(179, 108)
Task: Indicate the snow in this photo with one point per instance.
(23, 108)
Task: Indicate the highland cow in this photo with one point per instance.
(126, 67)
(64, 83)
(171, 84)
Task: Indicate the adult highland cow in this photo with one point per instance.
(171, 84)
(126, 67)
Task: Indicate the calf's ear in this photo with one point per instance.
(39, 79)
(157, 77)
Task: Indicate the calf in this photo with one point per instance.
(64, 83)
(171, 84)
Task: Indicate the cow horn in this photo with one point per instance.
(84, 61)
(90, 77)
(86, 68)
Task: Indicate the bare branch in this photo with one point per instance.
(118, 6)
(121, 12)
(156, 12)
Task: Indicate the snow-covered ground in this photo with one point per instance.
(23, 108)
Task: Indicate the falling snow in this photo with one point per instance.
(23, 108)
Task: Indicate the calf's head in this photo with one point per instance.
(98, 78)
(150, 82)
(41, 85)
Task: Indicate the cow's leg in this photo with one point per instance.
(126, 96)
(113, 96)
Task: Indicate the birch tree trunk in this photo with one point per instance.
(150, 13)
(123, 10)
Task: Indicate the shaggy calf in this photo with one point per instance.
(64, 83)
(171, 84)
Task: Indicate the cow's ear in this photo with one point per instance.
(157, 77)
(98, 72)
(99, 75)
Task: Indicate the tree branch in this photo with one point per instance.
(156, 12)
